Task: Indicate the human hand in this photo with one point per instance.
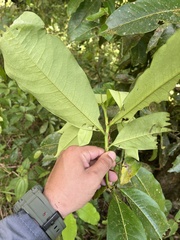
(77, 174)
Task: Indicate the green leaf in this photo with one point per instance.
(110, 4)
(21, 186)
(43, 128)
(176, 165)
(146, 182)
(70, 232)
(37, 154)
(152, 218)
(26, 164)
(49, 145)
(84, 136)
(177, 216)
(95, 16)
(53, 75)
(68, 138)
(123, 223)
(143, 16)
(29, 117)
(73, 6)
(173, 227)
(79, 28)
(100, 98)
(89, 214)
(118, 97)
(139, 132)
(156, 82)
(133, 153)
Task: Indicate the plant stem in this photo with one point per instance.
(106, 141)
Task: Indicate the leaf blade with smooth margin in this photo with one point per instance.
(43, 66)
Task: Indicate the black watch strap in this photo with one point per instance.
(39, 208)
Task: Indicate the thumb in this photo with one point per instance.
(104, 163)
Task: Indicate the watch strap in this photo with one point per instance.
(39, 208)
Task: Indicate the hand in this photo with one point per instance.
(77, 174)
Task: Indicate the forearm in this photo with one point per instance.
(21, 226)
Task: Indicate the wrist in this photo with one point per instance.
(56, 204)
(38, 207)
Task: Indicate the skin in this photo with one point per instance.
(76, 176)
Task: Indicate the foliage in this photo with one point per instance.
(122, 114)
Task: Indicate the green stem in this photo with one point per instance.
(106, 141)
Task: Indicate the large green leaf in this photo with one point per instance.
(139, 132)
(156, 82)
(143, 16)
(123, 223)
(146, 182)
(153, 219)
(43, 66)
(79, 28)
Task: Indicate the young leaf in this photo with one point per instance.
(156, 82)
(145, 181)
(152, 218)
(138, 133)
(143, 16)
(43, 66)
(123, 223)
(70, 232)
(89, 214)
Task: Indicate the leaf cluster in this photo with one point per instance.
(126, 113)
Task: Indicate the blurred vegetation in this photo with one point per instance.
(27, 129)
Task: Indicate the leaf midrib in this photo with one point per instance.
(121, 217)
(155, 229)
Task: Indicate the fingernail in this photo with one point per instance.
(112, 155)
